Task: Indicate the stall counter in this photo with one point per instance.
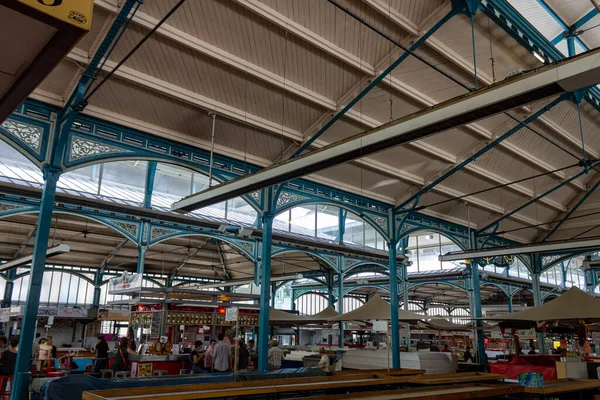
(145, 365)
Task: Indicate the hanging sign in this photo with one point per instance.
(126, 283)
(380, 326)
(74, 12)
(4, 314)
(231, 314)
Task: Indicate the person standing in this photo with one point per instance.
(324, 361)
(208, 356)
(101, 354)
(131, 340)
(121, 362)
(243, 356)
(221, 355)
(35, 353)
(197, 358)
(44, 355)
(468, 356)
(446, 349)
(8, 358)
(275, 355)
(50, 343)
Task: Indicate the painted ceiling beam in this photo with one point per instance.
(563, 246)
(565, 76)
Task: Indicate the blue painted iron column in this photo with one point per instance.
(536, 262)
(265, 292)
(476, 298)
(97, 290)
(510, 304)
(8, 288)
(340, 307)
(394, 303)
(38, 264)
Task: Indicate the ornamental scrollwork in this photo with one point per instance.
(255, 196)
(382, 222)
(332, 260)
(81, 148)
(7, 207)
(289, 197)
(127, 227)
(547, 260)
(248, 246)
(160, 232)
(28, 134)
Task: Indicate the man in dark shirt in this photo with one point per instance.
(197, 358)
(243, 356)
(9, 358)
(101, 354)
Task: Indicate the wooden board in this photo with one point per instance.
(264, 387)
(390, 372)
(564, 386)
(450, 379)
(455, 392)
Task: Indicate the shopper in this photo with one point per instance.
(221, 356)
(468, 356)
(251, 348)
(131, 340)
(275, 355)
(197, 358)
(8, 358)
(44, 355)
(324, 361)
(121, 362)
(3, 343)
(208, 356)
(101, 354)
(50, 343)
(35, 350)
(446, 349)
(243, 356)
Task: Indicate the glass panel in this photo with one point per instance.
(355, 229)
(239, 210)
(171, 183)
(124, 180)
(200, 183)
(370, 236)
(282, 221)
(73, 290)
(327, 221)
(447, 248)
(303, 220)
(84, 179)
(429, 251)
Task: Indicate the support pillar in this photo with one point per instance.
(537, 296)
(265, 292)
(405, 303)
(571, 46)
(510, 304)
(141, 258)
(97, 290)
(477, 313)
(394, 303)
(150, 175)
(38, 265)
(8, 289)
(340, 307)
(273, 291)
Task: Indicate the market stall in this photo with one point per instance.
(568, 315)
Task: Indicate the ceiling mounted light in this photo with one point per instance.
(19, 262)
(539, 57)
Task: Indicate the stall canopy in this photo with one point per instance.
(278, 316)
(319, 318)
(379, 309)
(442, 324)
(574, 305)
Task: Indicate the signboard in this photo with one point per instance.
(114, 315)
(332, 332)
(144, 369)
(4, 314)
(380, 326)
(155, 325)
(63, 312)
(74, 12)
(126, 283)
(231, 314)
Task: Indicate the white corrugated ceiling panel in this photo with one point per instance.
(172, 63)
(538, 17)
(341, 29)
(240, 32)
(144, 105)
(569, 10)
